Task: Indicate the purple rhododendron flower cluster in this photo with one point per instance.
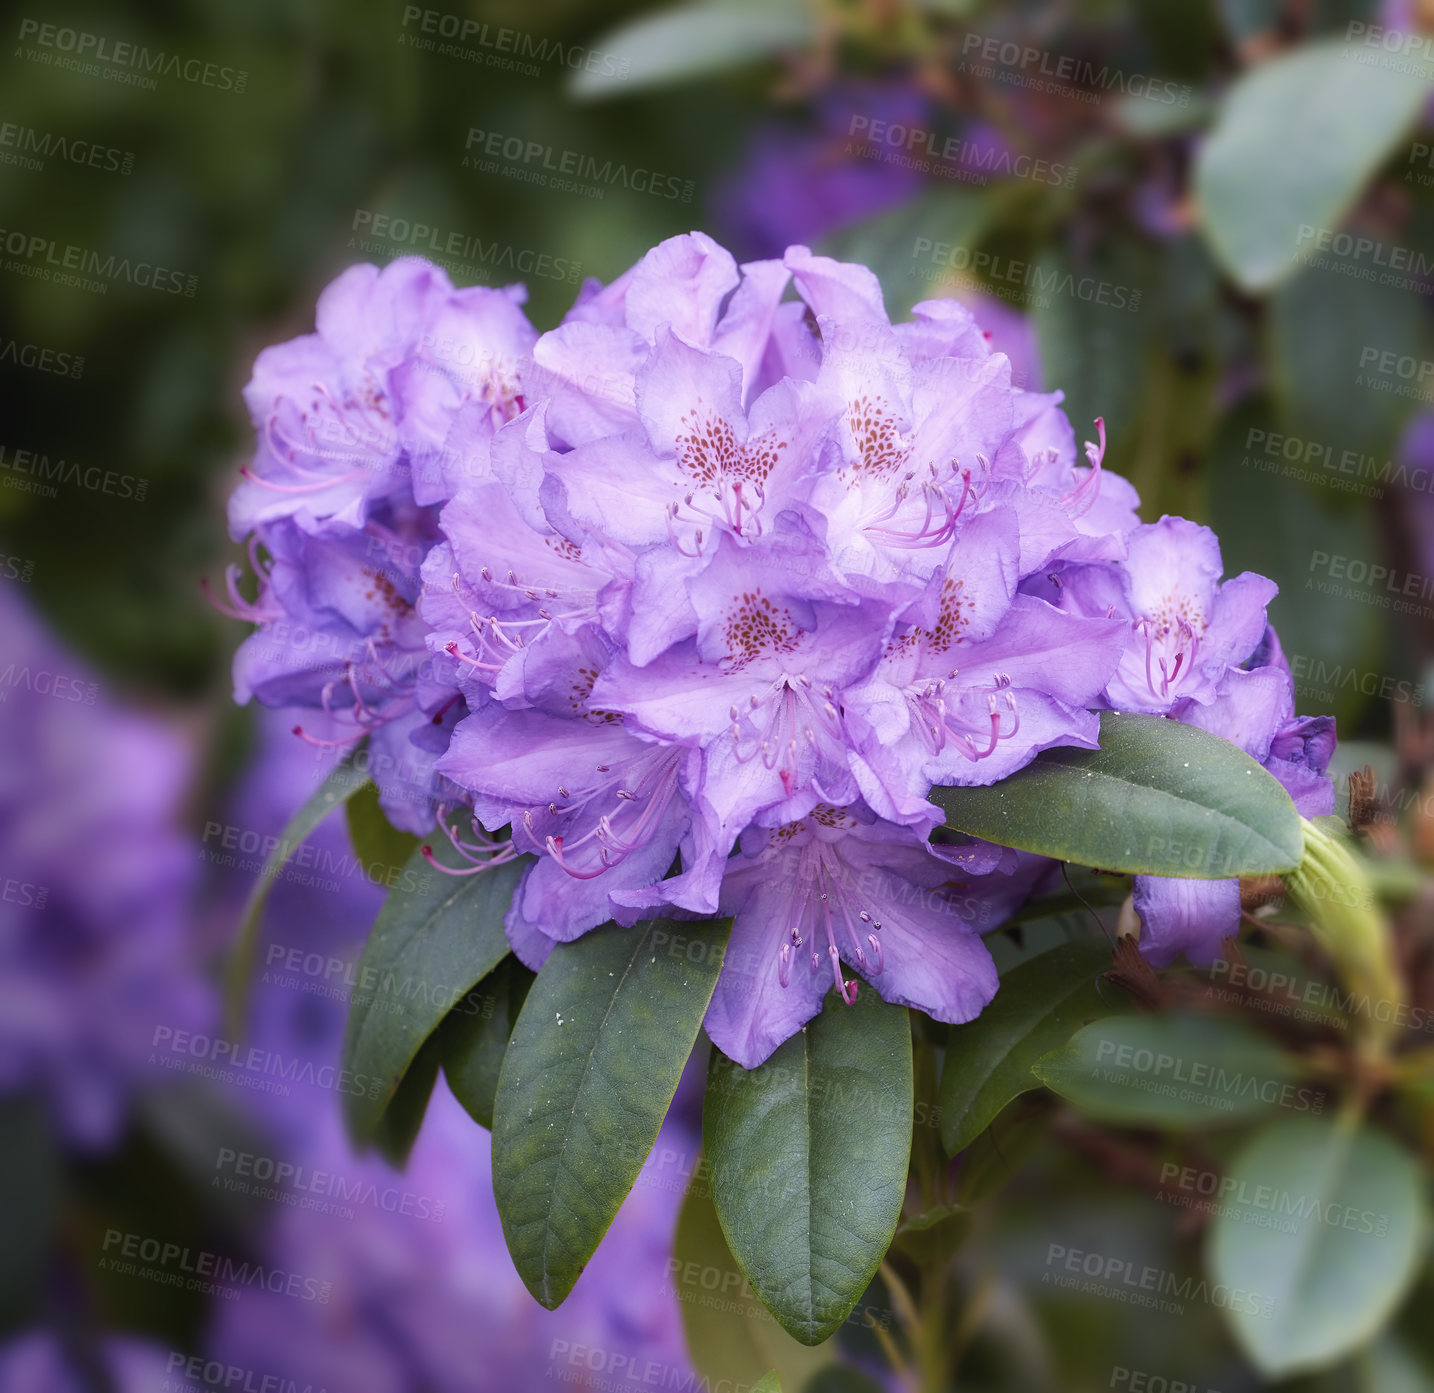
(709, 585)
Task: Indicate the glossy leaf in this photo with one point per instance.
(1157, 798)
(475, 1035)
(1040, 1004)
(595, 1058)
(430, 945)
(808, 1156)
(1174, 1071)
(1322, 1222)
(1297, 138)
(691, 40)
(343, 782)
(730, 1335)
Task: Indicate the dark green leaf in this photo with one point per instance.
(1297, 138)
(475, 1037)
(399, 1126)
(808, 1157)
(343, 781)
(1322, 1221)
(431, 943)
(694, 40)
(1157, 798)
(731, 1336)
(1038, 1007)
(595, 1058)
(381, 847)
(1174, 1071)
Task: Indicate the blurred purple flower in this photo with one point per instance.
(37, 1362)
(799, 183)
(97, 886)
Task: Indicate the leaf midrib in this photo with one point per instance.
(1226, 819)
(558, 1172)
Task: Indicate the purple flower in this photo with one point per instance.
(339, 632)
(964, 698)
(715, 559)
(98, 884)
(363, 426)
(345, 416)
(1187, 630)
(841, 886)
(585, 371)
(797, 185)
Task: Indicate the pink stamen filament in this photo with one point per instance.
(624, 828)
(939, 721)
(482, 856)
